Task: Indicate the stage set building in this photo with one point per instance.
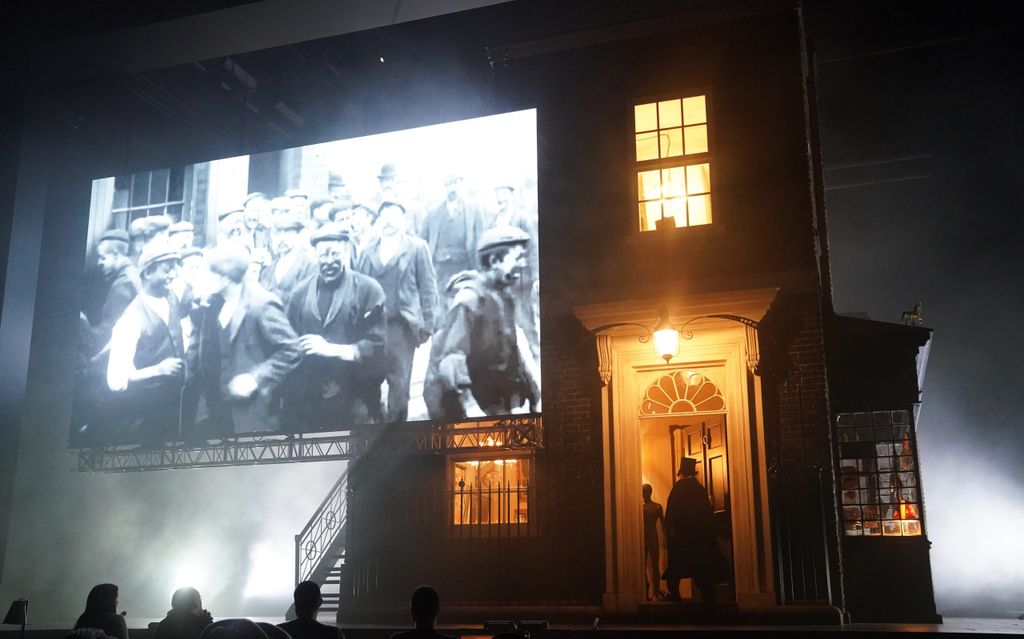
(678, 187)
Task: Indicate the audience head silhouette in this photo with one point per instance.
(186, 599)
(424, 604)
(307, 599)
(102, 600)
(233, 629)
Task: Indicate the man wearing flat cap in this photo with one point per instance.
(400, 263)
(480, 363)
(293, 261)
(690, 537)
(181, 235)
(256, 211)
(452, 232)
(147, 353)
(231, 227)
(339, 314)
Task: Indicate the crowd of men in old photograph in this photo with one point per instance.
(308, 314)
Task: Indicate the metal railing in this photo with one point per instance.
(320, 543)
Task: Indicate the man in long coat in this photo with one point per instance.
(339, 314)
(400, 262)
(452, 232)
(690, 531)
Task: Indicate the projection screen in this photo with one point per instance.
(380, 279)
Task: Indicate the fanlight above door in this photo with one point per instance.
(681, 392)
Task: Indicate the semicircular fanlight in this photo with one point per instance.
(681, 392)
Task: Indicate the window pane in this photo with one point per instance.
(647, 146)
(648, 185)
(911, 528)
(696, 139)
(650, 213)
(140, 190)
(676, 209)
(158, 188)
(672, 182)
(669, 114)
(698, 179)
(694, 110)
(671, 143)
(645, 117)
(700, 209)
(176, 190)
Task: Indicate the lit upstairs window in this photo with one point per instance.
(673, 168)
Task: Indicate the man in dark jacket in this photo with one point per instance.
(246, 347)
(400, 263)
(478, 364)
(186, 619)
(293, 260)
(307, 604)
(690, 532)
(452, 232)
(339, 314)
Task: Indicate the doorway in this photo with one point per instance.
(664, 440)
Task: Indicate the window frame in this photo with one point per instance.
(521, 528)
(637, 166)
(916, 470)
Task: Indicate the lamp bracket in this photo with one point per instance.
(746, 321)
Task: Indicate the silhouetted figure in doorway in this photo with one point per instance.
(690, 530)
(101, 612)
(425, 604)
(305, 626)
(652, 545)
(186, 619)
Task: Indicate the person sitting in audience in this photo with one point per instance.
(425, 604)
(236, 629)
(101, 612)
(186, 618)
(307, 603)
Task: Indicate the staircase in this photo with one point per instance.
(320, 547)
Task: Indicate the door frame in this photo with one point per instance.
(725, 351)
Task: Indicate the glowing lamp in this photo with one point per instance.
(666, 337)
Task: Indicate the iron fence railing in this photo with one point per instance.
(317, 546)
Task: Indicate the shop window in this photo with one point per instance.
(148, 193)
(672, 163)
(881, 494)
(490, 490)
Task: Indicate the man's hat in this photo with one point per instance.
(501, 236)
(504, 185)
(158, 223)
(114, 235)
(687, 466)
(388, 172)
(191, 251)
(156, 252)
(138, 228)
(287, 222)
(252, 196)
(335, 179)
(330, 233)
(224, 214)
(180, 227)
(296, 193)
(281, 203)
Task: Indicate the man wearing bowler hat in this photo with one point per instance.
(452, 231)
(400, 262)
(478, 364)
(339, 315)
(147, 354)
(690, 535)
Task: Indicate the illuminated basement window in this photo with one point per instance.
(673, 170)
(881, 494)
(489, 491)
